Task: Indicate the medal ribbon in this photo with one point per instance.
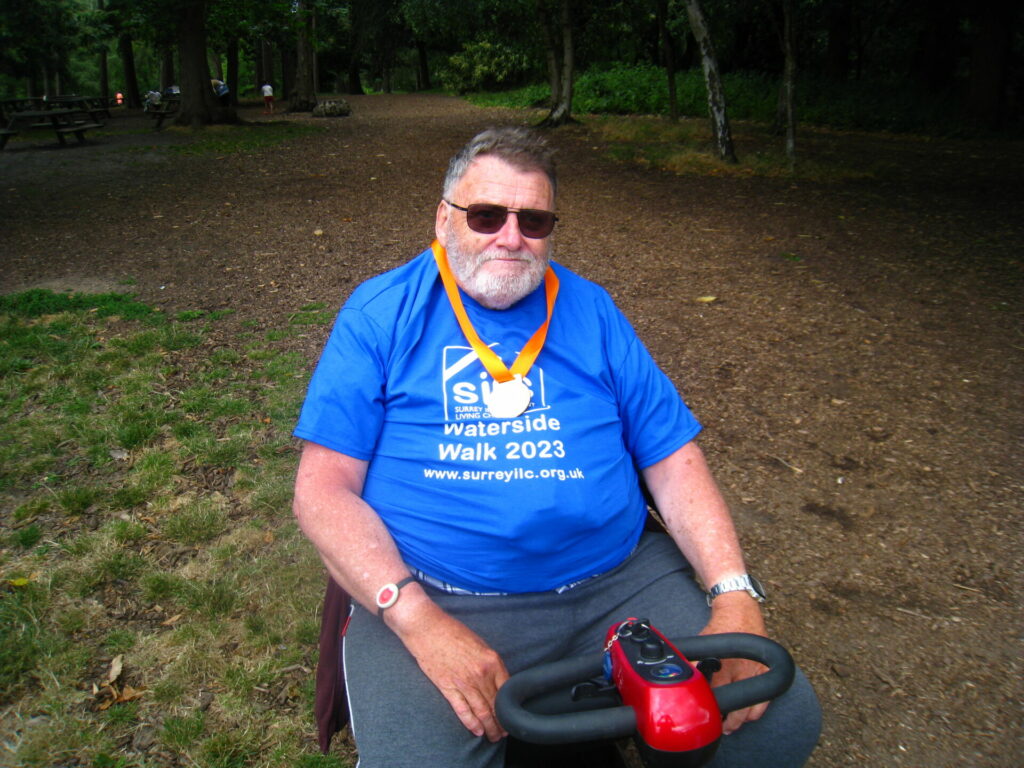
(494, 365)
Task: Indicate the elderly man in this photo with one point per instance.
(474, 432)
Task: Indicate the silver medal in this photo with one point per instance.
(508, 399)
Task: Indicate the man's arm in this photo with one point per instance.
(698, 520)
(361, 556)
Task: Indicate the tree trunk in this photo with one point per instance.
(132, 97)
(167, 78)
(303, 96)
(287, 69)
(422, 67)
(789, 80)
(199, 105)
(669, 60)
(551, 54)
(716, 95)
(561, 112)
(104, 70)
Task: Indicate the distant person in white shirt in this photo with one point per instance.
(268, 99)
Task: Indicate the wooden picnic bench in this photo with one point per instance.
(168, 106)
(93, 104)
(62, 120)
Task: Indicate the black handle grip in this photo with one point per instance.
(565, 728)
(571, 727)
(737, 645)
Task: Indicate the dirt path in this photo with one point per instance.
(859, 372)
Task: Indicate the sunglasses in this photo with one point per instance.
(487, 219)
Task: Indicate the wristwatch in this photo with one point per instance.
(744, 582)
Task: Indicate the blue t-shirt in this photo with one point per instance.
(522, 504)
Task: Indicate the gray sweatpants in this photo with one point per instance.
(399, 719)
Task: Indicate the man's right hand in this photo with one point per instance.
(466, 670)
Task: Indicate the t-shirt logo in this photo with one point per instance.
(467, 383)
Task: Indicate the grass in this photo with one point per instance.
(145, 482)
(231, 139)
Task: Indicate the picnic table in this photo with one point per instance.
(91, 103)
(167, 106)
(7, 106)
(63, 120)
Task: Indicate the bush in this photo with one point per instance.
(481, 66)
(643, 90)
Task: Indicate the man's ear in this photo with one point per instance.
(441, 223)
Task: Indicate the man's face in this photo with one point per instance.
(501, 268)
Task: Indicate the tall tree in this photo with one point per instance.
(126, 50)
(668, 59)
(199, 106)
(716, 94)
(787, 98)
(561, 64)
(303, 95)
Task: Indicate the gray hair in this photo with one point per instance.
(521, 148)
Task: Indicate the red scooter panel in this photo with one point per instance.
(675, 708)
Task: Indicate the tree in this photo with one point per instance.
(561, 64)
(199, 106)
(303, 95)
(668, 59)
(716, 94)
(788, 96)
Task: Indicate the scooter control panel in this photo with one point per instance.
(651, 656)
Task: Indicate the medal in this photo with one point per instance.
(508, 399)
(509, 395)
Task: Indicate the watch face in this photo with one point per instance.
(758, 588)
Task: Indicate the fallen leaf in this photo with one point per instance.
(116, 667)
(171, 621)
(318, 232)
(706, 299)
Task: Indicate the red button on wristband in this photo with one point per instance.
(389, 593)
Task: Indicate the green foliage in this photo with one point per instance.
(482, 65)
(643, 90)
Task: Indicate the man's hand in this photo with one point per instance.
(737, 612)
(466, 670)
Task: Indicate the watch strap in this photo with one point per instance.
(388, 594)
(744, 582)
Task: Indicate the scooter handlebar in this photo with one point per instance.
(620, 721)
(738, 645)
(559, 728)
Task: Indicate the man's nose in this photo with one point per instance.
(509, 235)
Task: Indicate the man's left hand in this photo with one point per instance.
(737, 612)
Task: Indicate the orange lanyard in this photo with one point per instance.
(494, 365)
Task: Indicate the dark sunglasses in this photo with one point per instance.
(487, 219)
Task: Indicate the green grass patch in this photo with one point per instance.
(230, 139)
(148, 482)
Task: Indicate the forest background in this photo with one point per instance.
(905, 65)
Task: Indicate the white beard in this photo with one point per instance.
(491, 290)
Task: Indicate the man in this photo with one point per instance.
(268, 98)
(473, 433)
